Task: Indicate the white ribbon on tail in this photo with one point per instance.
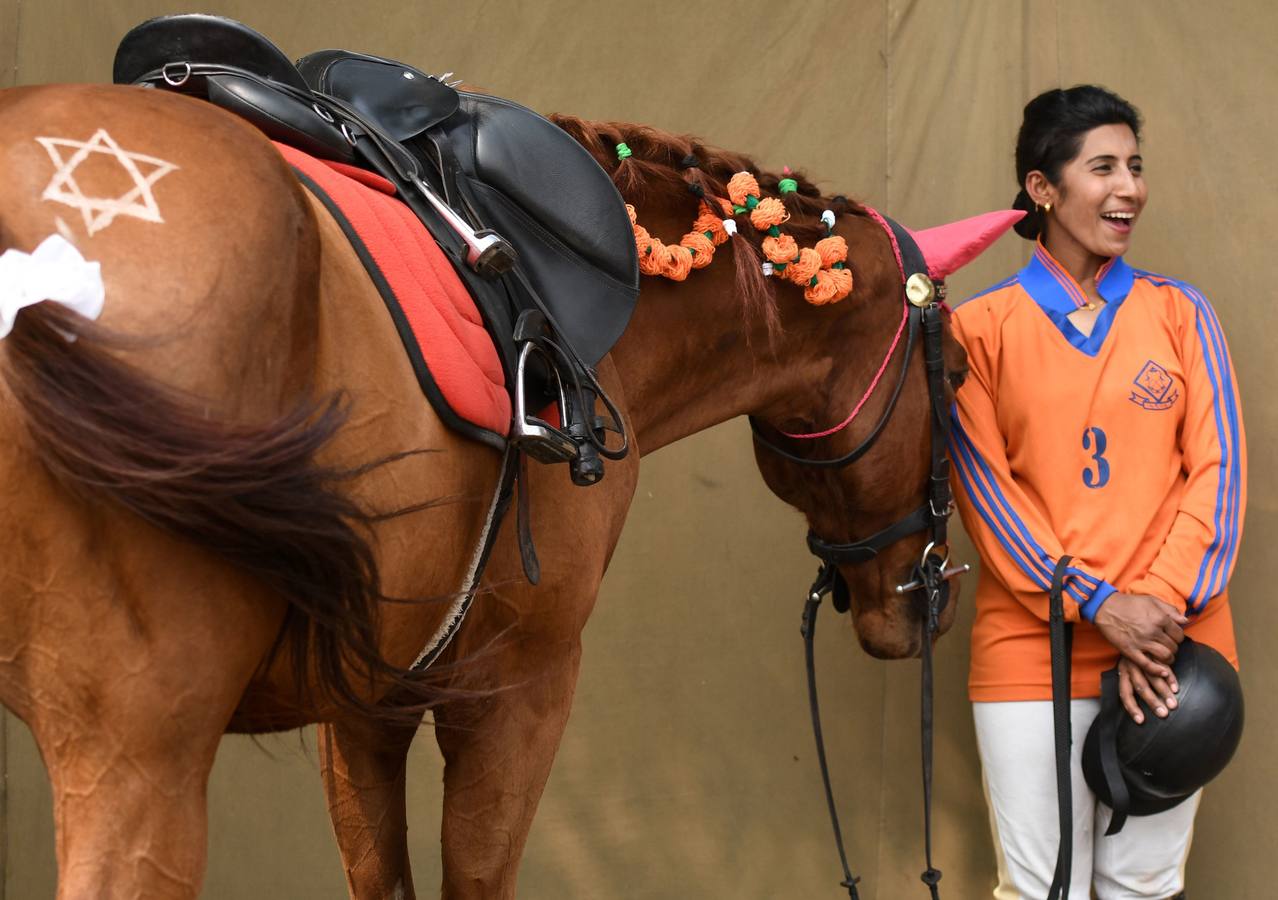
(54, 271)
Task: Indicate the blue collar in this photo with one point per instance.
(1058, 294)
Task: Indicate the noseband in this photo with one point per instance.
(931, 574)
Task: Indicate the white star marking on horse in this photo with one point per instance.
(99, 212)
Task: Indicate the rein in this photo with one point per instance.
(921, 315)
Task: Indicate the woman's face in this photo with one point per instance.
(1100, 195)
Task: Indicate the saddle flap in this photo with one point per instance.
(199, 38)
(400, 100)
(555, 180)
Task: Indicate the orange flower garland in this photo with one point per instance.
(695, 249)
(821, 270)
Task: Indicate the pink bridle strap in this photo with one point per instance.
(900, 330)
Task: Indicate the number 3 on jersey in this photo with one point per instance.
(1094, 443)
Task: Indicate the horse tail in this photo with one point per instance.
(254, 495)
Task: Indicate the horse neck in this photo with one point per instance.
(694, 357)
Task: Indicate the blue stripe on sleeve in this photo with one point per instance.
(1032, 558)
(1230, 460)
(967, 475)
(1219, 556)
(1007, 514)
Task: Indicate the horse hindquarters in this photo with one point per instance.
(124, 648)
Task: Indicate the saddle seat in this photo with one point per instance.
(497, 164)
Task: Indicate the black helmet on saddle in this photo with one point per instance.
(1144, 769)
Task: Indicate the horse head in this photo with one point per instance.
(863, 453)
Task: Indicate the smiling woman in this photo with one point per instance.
(1100, 422)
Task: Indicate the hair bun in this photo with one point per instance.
(1030, 226)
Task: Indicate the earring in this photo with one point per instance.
(1047, 207)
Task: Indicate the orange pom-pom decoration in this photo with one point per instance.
(655, 260)
(701, 246)
(769, 212)
(678, 263)
(634, 216)
(833, 250)
(781, 249)
(805, 267)
(643, 240)
(842, 282)
(824, 291)
(709, 222)
(742, 185)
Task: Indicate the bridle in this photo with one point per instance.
(921, 298)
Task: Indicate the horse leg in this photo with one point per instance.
(130, 817)
(127, 692)
(514, 665)
(363, 761)
(497, 757)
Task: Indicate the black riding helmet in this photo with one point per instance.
(1144, 769)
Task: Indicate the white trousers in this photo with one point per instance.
(1144, 861)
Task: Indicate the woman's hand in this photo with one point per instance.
(1159, 694)
(1145, 630)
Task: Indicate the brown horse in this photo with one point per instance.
(228, 507)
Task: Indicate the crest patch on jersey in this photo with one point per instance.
(1155, 387)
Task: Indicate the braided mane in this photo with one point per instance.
(657, 158)
(662, 162)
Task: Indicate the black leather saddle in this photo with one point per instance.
(530, 221)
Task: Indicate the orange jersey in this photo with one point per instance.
(1123, 449)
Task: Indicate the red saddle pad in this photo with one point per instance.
(452, 353)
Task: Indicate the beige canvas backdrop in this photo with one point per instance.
(687, 769)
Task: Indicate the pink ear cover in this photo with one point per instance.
(948, 248)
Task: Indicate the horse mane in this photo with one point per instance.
(681, 166)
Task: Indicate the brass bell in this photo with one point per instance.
(920, 290)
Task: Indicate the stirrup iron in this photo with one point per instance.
(530, 433)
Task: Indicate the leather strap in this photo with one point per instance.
(1107, 722)
(939, 496)
(912, 260)
(527, 550)
(1061, 638)
(937, 594)
(823, 584)
(500, 503)
(860, 450)
(865, 550)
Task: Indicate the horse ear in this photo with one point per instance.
(948, 248)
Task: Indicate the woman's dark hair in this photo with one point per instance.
(1052, 133)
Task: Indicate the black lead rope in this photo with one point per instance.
(936, 592)
(823, 584)
(930, 575)
(1061, 638)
